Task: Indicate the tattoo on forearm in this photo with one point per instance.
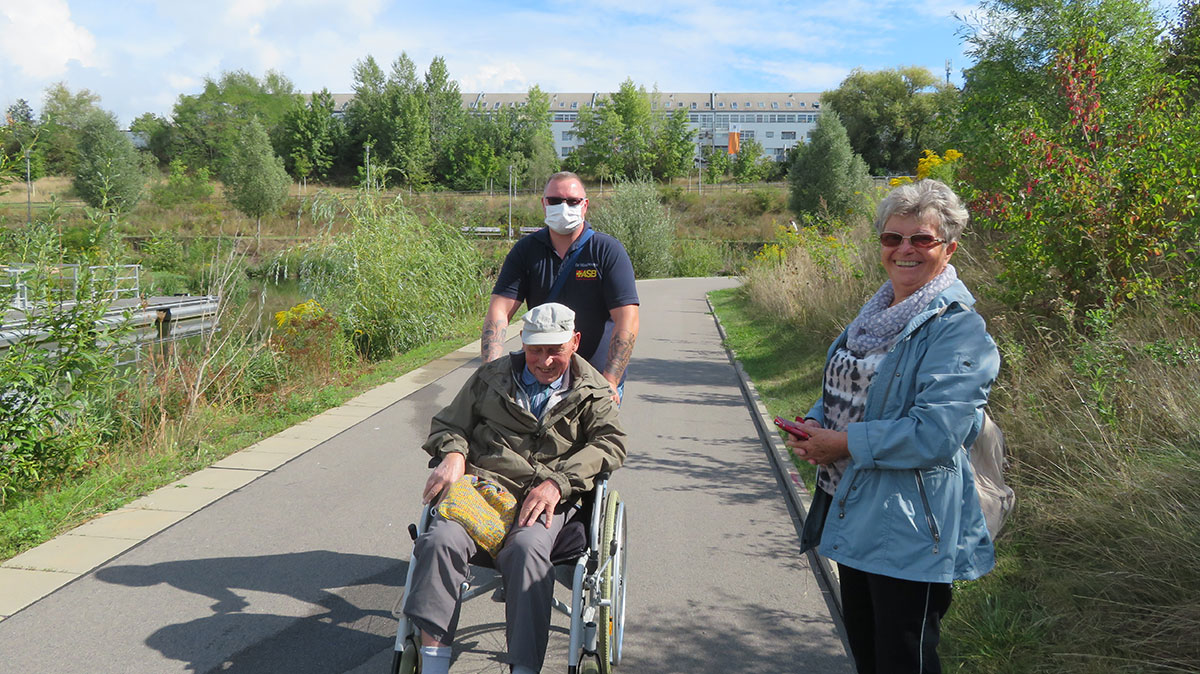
(620, 350)
(491, 342)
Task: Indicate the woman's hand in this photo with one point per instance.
(822, 447)
(452, 467)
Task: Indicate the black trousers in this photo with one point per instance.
(893, 625)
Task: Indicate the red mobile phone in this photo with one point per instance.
(792, 427)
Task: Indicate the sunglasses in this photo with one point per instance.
(571, 201)
(894, 239)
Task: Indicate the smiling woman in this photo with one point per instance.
(920, 341)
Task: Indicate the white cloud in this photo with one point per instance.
(505, 76)
(41, 40)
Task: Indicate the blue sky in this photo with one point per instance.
(140, 55)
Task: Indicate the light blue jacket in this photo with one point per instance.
(907, 506)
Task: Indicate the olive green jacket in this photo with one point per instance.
(574, 441)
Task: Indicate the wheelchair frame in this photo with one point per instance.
(597, 609)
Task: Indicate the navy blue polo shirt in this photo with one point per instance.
(602, 280)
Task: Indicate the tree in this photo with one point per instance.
(108, 171)
(1014, 45)
(411, 153)
(468, 160)
(826, 176)
(890, 115)
(310, 137)
(1183, 46)
(750, 164)
(717, 163)
(1082, 155)
(256, 182)
(617, 134)
(390, 113)
(674, 146)
(447, 120)
(63, 117)
(210, 123)
(19, 135)
(158, 134)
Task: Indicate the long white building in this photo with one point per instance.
(778, 121)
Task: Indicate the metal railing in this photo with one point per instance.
(125, 282)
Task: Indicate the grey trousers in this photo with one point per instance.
(441, 557)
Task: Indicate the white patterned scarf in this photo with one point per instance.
(878, 325)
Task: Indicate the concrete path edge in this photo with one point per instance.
(797, 494)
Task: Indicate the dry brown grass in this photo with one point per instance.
(43, 190)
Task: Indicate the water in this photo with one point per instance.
(269, 295)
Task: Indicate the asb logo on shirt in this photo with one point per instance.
(587, 274)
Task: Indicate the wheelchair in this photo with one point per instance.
(588, 558)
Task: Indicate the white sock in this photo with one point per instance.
(435, 659)
(518, 669)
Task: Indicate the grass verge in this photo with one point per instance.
(785, 368)
(121, 478)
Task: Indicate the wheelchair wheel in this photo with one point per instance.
(408, 661)
(612, 585)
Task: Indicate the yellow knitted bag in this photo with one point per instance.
(485, 509)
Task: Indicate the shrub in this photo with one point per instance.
(697, 257)
(52, 416)
(635, 216)
(826, 177)
(809, 278)
(182, 186)
(393, 282)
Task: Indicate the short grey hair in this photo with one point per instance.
(923, 198)
(564, 175)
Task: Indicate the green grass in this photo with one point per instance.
(124, 477)
(784, 365)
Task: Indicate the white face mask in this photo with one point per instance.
(564, 218)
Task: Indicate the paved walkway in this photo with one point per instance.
(288, 556)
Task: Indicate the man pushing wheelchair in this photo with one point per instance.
(523, 440)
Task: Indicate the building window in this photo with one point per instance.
(774, 105)
(694, 119)
(693, 106)
(761, 104)
(566, 151)
(817, 106)
(746, 135)
(567, 136)
(574, 104)
(787, 135)
(770, 134)
(801, 104)
(721, 104)
(789, 104)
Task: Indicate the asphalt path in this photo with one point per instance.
(299, 570)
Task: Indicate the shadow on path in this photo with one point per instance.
(350, 627)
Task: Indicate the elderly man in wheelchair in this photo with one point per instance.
(514, 454)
